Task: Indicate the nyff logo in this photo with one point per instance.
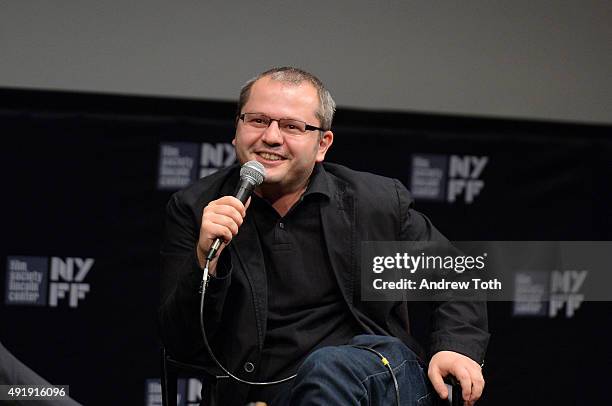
(565, 291)
(464, 173)
(445, 178)
(66, 280)
(215, 156)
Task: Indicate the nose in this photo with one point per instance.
(272, 135)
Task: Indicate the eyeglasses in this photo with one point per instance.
(286, 125)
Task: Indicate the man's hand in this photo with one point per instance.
(221, 218)
(464, 369)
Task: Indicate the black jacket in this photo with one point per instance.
(364, 207)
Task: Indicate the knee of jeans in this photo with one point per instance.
(327, 362)
(324, 360)
(392, 347)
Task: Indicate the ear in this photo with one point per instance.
(325, 141)
(234, 141)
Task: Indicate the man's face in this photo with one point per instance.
(288, 159)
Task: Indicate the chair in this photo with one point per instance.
(454, 393)
(171, 369)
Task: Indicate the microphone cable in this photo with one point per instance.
(386, 363)
(203, 286)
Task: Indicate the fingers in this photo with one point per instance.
(463, 368)
(221, 218)
(222, 215)
(219, 226)
(232, 202)
(472, 383)
(478, 384)
(435, 376)
(465, 380)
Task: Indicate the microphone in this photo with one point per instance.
(252, 174)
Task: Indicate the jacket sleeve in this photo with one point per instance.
(459, 326)
(181, 275)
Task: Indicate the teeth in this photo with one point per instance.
(270, 157)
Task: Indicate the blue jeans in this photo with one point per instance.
(346, 375)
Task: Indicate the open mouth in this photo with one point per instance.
(270, 156)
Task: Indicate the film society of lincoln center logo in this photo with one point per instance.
(46, 281)
(446, 178)
(539, 293)
(182, 163)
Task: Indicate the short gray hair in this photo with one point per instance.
(295, 76)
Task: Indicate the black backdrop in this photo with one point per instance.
(81, 175)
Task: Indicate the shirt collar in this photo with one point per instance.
(319, 182)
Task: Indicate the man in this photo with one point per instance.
(284, 294)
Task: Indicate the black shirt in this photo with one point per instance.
(305, 306)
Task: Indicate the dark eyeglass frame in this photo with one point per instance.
(307, 127)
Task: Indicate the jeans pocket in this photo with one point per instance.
(426, 400)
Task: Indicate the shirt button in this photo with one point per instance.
(281, 225)
(249, 367)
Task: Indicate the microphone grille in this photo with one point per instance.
(254, 171)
